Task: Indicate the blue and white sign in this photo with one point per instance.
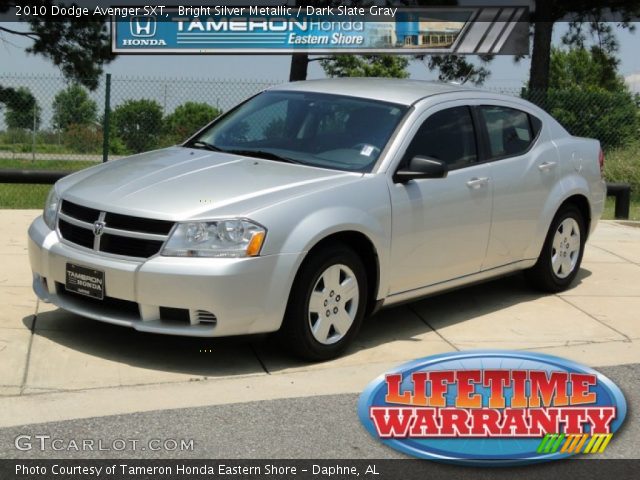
(292, 29)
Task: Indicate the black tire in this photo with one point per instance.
(296, 332)
(542, 275)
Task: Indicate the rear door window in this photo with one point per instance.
(510, 131)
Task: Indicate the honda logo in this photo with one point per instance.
(143, 26)
(98, 228)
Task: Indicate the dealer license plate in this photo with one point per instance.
(85, 281)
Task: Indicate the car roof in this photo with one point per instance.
(405, 92)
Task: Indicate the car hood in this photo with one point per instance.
(179, 183)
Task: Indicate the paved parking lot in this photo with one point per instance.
(58, 366)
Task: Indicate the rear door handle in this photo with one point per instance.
(476, 182)
(546, 166)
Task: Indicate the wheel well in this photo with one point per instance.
(582, 203)
(362, 246)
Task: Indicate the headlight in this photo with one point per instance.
(223, 238)
(51, 208)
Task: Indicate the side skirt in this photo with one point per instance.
(465, 281)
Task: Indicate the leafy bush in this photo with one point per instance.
(611, 117)
(187, 119)
(73, 106)
(116, 146)
(138, 124)
(589, 98)
(623, 165)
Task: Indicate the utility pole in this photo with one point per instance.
(106, 122)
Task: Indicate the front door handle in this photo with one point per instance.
(546, 166)
(476, 182)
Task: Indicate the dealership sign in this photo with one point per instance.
(493, 408)
(283, 29)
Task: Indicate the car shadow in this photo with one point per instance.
(464, 304)
(197, 357)
(246, 355)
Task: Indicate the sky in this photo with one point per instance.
(271, 68)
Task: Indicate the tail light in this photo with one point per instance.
(601, 161)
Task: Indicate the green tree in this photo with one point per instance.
(188, 118)
(582, 67)
(78, 47)
(457, 68)
(390, 66)
(138, 123)
(73, 106)
(585, 13)
(20, 108)
(588, 97)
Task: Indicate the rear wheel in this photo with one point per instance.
(562, 252)
(327, 304)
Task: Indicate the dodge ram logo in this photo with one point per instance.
(98, 228)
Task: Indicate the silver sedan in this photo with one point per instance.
(311, 205)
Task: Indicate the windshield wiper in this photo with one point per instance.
(246, 153)
(263, 154)
(204, 145)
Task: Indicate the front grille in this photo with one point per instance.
(122, 234)
(78, 211)
(75, 234)
(132, 247)
(136, 224)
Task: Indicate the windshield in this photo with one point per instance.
(321, 130)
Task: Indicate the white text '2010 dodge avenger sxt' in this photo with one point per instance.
(312, 204)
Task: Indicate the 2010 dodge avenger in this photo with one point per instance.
(313, 204)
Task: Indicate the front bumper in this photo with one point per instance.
(211, 296)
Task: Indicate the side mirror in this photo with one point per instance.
(421, 167)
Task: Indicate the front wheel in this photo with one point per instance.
(327, 304)
(562, 252)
